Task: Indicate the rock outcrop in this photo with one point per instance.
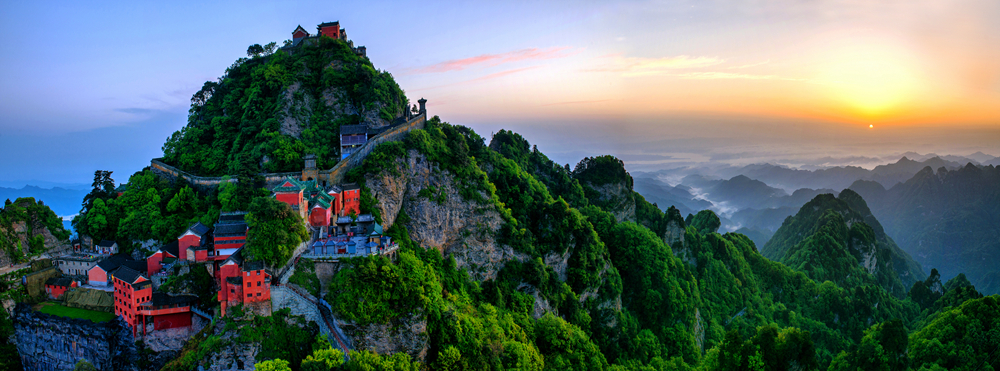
(463, 229)
(46, 342)
(402, 335)
(615, 198)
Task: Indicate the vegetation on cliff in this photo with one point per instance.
(271, 109)
(837, 239)
(23, 226)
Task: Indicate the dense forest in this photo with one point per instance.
(598, 277)
(24, 225)
(276, 106)
(723, 306)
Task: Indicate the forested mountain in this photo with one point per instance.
(269, 110)
(947, 219)
(837, 239)
(508, 260)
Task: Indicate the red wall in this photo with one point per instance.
(289, 197)
(127, 301)
(97, 274)
(187, 241)
(299, 34)
(153, 263)
(352, 202)
(331, 31)
(319, 216)
(56, 291)
(171, 320)
(254, 285)
(201, 255)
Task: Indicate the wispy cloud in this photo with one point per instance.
(632, 66)
(750, 65)
(577, 102)
(493, 59)
(727, 75)
(480, 79)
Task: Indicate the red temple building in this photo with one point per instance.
(56, 287)
(131, 289)
(243, 282)
(230, 234)
(190, 241)
(164, 255)
(331, 29)
(352, 200)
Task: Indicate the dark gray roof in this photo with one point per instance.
(113, 262)
(160, 299)
(255, 265)
(231, 216)
(127, 274)
(198, 229)
(350, 186)
(237, 257)
(171, 248)
(353, 129)
(324, 24)
(106, 243)
(229, 242)
(136, 265)
(230, 229)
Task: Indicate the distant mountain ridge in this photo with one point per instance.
(62, 201)
(948, 219)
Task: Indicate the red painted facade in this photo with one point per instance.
(56, 291)
(97, 275)
(319, 216)
(185, 241)
(331, 31)
(200, 255)
(290, 198)
(239, 287)
(338, 202)
(173, 320)
(352, 202)
(153, 265)
(127, 300)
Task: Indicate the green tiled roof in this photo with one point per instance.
(321, 199)
(296, 185)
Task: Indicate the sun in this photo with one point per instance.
(871, 126)
(871, 81)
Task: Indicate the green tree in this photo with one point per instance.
(272, 365)
(83, 365)
(275, 231)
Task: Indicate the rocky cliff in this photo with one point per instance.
(28, 227)
(47, 342)
(401, 335)
(437, 216)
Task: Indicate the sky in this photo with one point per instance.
(101, 85)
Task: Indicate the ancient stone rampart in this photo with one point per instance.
(334, 175)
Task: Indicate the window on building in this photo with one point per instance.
(258, 283)
(249, 295)
(249, 284)
(258, 294)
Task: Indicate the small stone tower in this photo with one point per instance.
(423, 108)
(310, 172)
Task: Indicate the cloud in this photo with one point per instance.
(493, 59)
(632, 66)
(577, 102)
(480, 79)
(727, 75)
(749, 65)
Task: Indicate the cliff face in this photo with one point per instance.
(438, 216)
(615, 198)
(46, 342)
(25, 229)
(402, 335)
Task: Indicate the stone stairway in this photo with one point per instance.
(304, 304)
